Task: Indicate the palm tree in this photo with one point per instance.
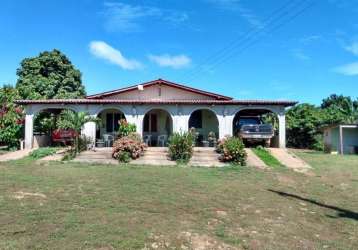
(74, 120)
(350, 111)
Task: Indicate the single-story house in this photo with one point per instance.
(158, 108)
(341, 138)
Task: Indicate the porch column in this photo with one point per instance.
(282, 129)
(225, 126)
(341, 151)
(137, 120)
(89, 130)
(29, 131)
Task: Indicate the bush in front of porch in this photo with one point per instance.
(232, 149)
(180, 146)
(128, 147)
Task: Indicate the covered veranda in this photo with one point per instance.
(178, 114)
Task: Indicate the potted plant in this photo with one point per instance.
(212, 139)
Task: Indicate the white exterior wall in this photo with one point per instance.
(135, 114)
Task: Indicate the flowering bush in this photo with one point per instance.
(181, 146)
(11, 117)
(126, 147)
(126, 128)
(232, 149)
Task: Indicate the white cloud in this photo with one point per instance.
(104, 51)
(124, 17)
(310, 39)
(165, 60)
(353, 48)
(299, 54)
(350, 69)
(236, 5)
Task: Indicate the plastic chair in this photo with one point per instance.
(147, 139)
(162, 140)
(108, 139)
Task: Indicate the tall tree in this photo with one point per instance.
(339, 109)
(49, 75)
(303, 126)
(336, 100)
(11, 117)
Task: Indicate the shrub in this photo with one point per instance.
(126, 128)
(124, 157)
(128, 147)
(181, 146)
(232, 149)
(83, 143)
(69, 155)
(11, 117)
(42, 152)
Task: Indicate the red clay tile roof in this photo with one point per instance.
(162, 82)
(184, 102)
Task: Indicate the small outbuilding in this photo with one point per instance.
(341, 139)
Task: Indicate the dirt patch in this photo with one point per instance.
(221, 213)
(203, 242)
(21, 195)
(286, 180)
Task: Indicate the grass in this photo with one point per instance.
(266, 157)
(81, 206)
(42, 152)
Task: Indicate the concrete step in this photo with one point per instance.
(155, 153)
(205, 159)
(142, 161)
(155, 157)
(207, 164)
(157, 149)
(99, 161)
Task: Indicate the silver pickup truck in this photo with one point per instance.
(252, 130)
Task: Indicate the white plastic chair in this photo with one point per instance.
(162, 140)
(147, 139)
(108, 139)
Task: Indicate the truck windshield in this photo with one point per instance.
(248, 121)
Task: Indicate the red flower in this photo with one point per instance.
(18, 110)
(20, 121)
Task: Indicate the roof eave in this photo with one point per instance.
(142, 102)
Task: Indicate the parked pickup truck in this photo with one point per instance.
(253, 130)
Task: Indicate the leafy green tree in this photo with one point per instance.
(337, 101)
(74, 120)
(303, 125)
(49, 75)
(339, 109)
(11, 117)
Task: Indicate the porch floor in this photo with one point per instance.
(205, 157)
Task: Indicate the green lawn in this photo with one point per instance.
(266, 157)
(77, 206)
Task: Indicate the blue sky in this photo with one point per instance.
(247, 49)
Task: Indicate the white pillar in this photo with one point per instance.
(341, 151)
(89, 130)
(181, 123)
(29, 131)
(282, 129)
(137, 120)
(225, 126)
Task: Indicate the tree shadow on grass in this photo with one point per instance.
(341, 213)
